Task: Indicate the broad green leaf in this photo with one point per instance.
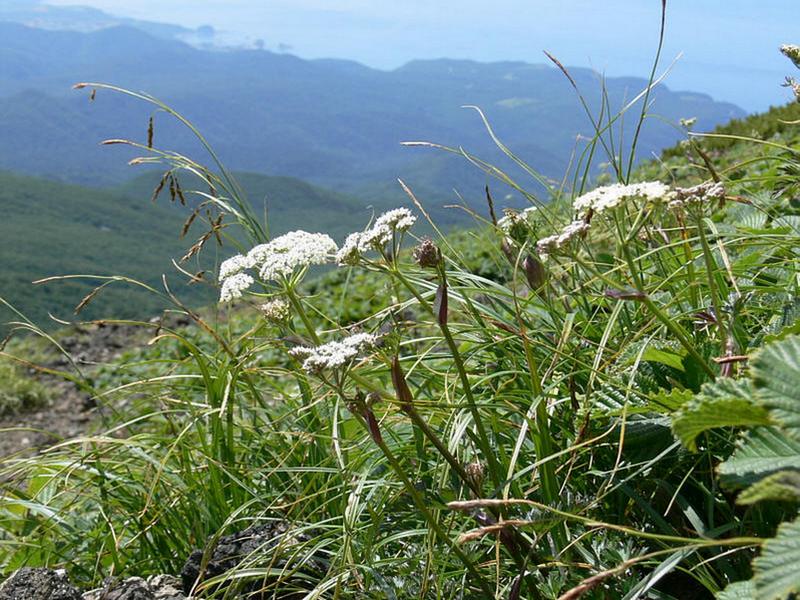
(783, 486)
(777, 575)
(776, 376)
(725, 403)
(665, 357)
(741, 590)
(763, 451)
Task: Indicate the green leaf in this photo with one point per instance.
(762, 451)
(776, 376)
(777, 575)
(663, 401)
(783, 486)
(741, 590)
(726, 403)
(785, 332)
(665, 357)
(732, 412)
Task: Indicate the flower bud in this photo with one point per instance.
(476, 473)
(534, 272)
(427, 254)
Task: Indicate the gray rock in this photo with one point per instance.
(157, 587)
(38, 584)
(166, 587)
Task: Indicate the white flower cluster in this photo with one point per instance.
(377, 236)
(279, 257)
(697, 195)
(792, 52)
(611, 196)
(232, 266)
(276, 310)
(512, 218)
(234, 286)
(293, 250)
(555, 242)
(334, 355)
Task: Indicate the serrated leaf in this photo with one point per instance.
(782, 486)
(787, 330)
(763, 451)
(776, 377)
(777, 575)
(741, 590)
(711, 414)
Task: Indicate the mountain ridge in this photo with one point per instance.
(334, 123)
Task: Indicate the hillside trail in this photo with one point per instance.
(71, 411)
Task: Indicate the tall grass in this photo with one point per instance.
(501, 432)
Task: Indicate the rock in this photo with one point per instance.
(166, 587)
(230, 550)
(134, 588)
(157, 587)
(38, 584)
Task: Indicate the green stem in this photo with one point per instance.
(297, 305)
(483, 438)
(679, 333)
(429, 433)
(432, 522)
(711, 265)
(673, 327)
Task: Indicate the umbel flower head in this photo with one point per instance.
(610, 196)
(698, 195)
(554, 243)
(234, 286)
(294, 250)
(376, 237)
(277, 258)
(792, 52)
(334, 355)
(276, 310)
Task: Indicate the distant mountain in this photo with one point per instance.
(331, 122)
(54, 229)
(34, 13)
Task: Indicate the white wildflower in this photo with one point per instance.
(233, 265)
(348, 254)
(234, 286)
(555, 242)
(296, 249)
(792, 52)
(697, 195)
(276, 310)
(611, 196)
(513, 218)
(792, 83)
(377, 236)
(334, 355)
(381, 232)
(399, 219)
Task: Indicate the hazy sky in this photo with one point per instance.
(729, 46)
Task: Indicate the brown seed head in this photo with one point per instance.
(476, 472)
(427, 254)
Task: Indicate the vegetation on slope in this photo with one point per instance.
(606, 407)
(55, 229)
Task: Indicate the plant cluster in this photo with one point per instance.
(601, 401)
